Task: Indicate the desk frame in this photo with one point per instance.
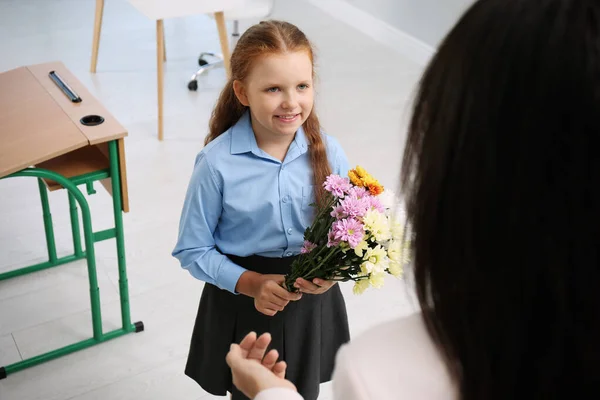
(90, 237)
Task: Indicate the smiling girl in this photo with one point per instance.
(246, 209)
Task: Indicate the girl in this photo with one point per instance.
(246, 209)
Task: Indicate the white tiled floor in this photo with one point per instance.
(364, 90)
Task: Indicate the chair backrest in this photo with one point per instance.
(250, 9)
(163, 9)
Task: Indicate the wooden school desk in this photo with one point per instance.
(65, 144)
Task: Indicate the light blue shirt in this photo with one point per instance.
(242, 201)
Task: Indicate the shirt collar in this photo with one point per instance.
(242, 136)
(244, 141)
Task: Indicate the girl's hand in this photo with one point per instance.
(271, 297)
(267, 291)
(317, 286)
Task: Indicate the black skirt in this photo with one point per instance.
(307, 333)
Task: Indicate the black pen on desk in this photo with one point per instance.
(66, 89)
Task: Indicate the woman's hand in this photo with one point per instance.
(252, 370)
(317, 286)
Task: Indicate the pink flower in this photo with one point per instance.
(332, 242)
(349, 230)
(357, 192)
(307, 247)
(337, 185)
(353, 207)
(338, 212)
(375, 204)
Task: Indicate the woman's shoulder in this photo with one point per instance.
(397, 357)
(399, 335)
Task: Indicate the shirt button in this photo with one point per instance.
(289, 231)
(288, 254)
(284, 199)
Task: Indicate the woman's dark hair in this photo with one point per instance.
(501, 177)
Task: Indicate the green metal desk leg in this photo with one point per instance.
(75, 227)
(50, 242)
(75, 196)
(53, 259)
(120, 239)
(93, 279)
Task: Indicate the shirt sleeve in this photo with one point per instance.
(278, 394)
(340, 165)
(195, 248)
(347, 383)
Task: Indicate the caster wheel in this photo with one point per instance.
(193, 85)
(202, 62)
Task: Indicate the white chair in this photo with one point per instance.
(250, 9)
(159, 10)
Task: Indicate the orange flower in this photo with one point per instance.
(375, 189)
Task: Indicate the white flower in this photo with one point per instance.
(389, 200)
(360, 286)
(360, 248)
(377, 279)
(378, 225)
(395, 269)
(397, 224)
(399, 252)
(367, 267)
(376, 256)
(397, 231)
(395, 250)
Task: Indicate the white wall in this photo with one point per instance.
(426, 20)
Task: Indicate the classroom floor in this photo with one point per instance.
(364, 90)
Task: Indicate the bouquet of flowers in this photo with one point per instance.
(356, 235)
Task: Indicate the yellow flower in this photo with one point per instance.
(360, 248)
(360, 171)
(399, 252)
(395, 251)
(377, 279)
(398, 231)
(367, 267)
(375, 255)
(378, 225)
(395, 269)
(354, 178)
(360, 286)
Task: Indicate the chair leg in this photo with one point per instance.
(164, 46)
(220, 19)
(160, 54)
(97, 29)
(235, 35)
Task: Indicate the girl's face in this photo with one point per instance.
(279, 92)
